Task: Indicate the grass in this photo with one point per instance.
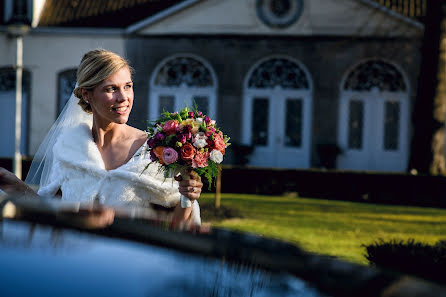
(335, 228)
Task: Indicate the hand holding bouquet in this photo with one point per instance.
(187, 140)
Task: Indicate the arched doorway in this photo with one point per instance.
(277, 109)
(183, 80)
(374, 118)
(7, 120)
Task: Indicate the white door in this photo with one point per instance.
(7, 124)
(373, 130)
(278, 126)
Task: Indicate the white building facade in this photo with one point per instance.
(297, 80)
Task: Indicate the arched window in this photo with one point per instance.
(7, 120)
(374, 118)
(278, 72)
(183, 80)
(277, 113)
(375, 74)
(66, 81)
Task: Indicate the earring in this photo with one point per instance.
(86, 101)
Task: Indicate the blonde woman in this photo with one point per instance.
(91, 154)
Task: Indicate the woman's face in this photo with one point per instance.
(112, 100)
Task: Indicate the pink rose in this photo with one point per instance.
(169, 155)
(200, 160)
(170, 127)
(219, 143)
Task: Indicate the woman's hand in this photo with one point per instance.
(190, 188)
(89, 217)
(10, 183)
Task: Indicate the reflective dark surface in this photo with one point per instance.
(40, 260)
(53, 248)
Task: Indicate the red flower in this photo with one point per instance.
(187, 152)
(210, 142)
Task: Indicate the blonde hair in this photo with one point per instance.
(95, 67)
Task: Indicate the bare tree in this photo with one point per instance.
(428, 142)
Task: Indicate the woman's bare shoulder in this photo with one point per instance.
(136, 133)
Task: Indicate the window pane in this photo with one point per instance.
(67, 82)
(375, 74)
(184, 70)
(7, 124)
(293, 124)
(278, 72)
(202, 103)
(355, 123)
(259, 127)
(391, 125)
(7, 121)
(166, 103)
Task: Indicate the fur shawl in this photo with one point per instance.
(79, 171)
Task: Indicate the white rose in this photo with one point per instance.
(200, 140)
(199, 120)
(216, 156)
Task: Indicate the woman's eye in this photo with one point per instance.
(111, 89)
(128, 87)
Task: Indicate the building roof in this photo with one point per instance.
(415, 9)
(100, 13)
(124, 13)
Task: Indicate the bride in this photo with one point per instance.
(91, 154)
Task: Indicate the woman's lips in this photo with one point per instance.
(121, 109)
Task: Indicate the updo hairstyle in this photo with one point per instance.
(95, 67)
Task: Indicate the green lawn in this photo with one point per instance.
(336, 228)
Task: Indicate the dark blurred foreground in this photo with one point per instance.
(46, 248)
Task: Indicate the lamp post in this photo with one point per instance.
(17, 28)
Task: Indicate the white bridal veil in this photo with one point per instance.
(71, 115)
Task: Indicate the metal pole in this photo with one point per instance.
(17, 164)
(218, 189)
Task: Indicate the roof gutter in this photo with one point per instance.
(77, 31)
(162, 14)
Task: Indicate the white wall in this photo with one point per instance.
(226, 17)
(45, 55)
(319, 17)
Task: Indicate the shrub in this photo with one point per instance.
(209, 213)
(410, 257)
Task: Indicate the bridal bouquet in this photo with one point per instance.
(187, 140)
